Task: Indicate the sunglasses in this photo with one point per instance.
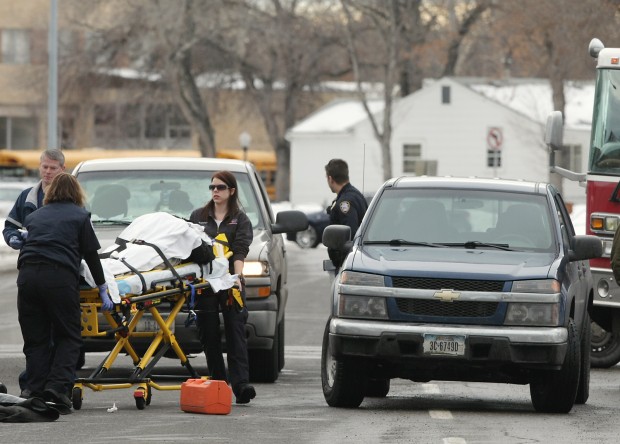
(218, 187)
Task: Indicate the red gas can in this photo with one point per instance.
(206, 396)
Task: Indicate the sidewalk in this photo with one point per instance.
(8, 258)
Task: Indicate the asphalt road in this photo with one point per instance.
(293, 408)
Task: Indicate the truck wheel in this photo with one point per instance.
(264, 363)
(583, 392)
(554, 391)
(343, 382)
(605, 347)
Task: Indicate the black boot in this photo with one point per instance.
(244, 393)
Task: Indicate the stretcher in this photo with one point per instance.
(174, 286)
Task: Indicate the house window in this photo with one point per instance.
(494, 158)
(155, 125)
(178, 128)
(18, 133)
(411, 154)
(15, 46)
(445, 94)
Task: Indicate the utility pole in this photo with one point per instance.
(52, 85)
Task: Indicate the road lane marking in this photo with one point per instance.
(454, 440)
(440, 414)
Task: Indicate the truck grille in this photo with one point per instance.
(452, 284)
(461, 309)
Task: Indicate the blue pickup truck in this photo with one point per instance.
(462, 280)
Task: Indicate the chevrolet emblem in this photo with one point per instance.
(446, 295)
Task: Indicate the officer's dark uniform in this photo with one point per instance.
(348, 208)
(238, 231)
(60, 234)
(29, 200)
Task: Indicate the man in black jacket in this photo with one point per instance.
(349, 206)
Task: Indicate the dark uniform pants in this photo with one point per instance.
(48, 305)
(208, 322)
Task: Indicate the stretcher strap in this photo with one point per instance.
(163, 258)
(191, 316)
(135, 270)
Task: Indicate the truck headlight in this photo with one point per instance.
(547, 286)
(530, 314)
(366, 279)
(362, 307)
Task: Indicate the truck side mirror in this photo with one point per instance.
(554, 131)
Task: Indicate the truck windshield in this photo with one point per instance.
(605, 153)
(122, 196)
(472, 218)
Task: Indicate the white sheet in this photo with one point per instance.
(174, 236)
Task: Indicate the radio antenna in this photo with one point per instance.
(363, 168)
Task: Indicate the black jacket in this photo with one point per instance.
(348, 208)
(62, 233)
(237, 228)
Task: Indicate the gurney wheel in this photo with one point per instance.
(76, 398)
(140, 403)
(3, 388)
(140, 395)
(148, 395)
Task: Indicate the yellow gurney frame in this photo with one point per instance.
(123, 331)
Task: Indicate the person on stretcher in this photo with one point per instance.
(224, 221)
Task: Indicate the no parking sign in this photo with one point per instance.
(495, 138)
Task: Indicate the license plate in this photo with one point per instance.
(451, 345)
(149, 324)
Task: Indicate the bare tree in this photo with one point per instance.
(282, 50)
(155, 37)
(469, 14)
(386, 20)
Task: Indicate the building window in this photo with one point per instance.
(445, 94)
(18, 133)
(15, 46)
(494, 158)
(411, 154)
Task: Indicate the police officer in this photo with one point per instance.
(349, 206)
(59, 235)
(223, 217)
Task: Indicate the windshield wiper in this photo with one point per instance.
(111, 222)
(398, 242)
(475, 244)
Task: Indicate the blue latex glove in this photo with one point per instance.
(24, 234)
(106, 302)
(16, 243)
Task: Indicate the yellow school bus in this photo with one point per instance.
(17, 164)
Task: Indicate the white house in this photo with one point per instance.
(450, 127)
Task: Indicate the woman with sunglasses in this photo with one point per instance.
(223, 215)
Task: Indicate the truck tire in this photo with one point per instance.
(343, 382)
(264, 363)
(555, 391)
(583, 392)
(605, 347)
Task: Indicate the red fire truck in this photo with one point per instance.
(602, 197)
